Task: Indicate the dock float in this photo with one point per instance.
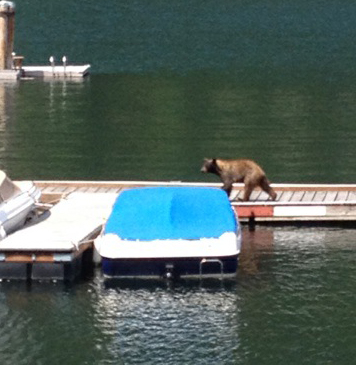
(53, 247)
(55, 72)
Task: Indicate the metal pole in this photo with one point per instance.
(51, 60)
(64, 60)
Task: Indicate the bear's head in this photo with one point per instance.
(209, 165)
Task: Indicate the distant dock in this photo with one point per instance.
(11, 65)
(57, 72)
(53, 247)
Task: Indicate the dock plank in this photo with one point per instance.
(48, 190)
(341, 196)
(297, 196)
(82, 189)
(285, 196)
(103, 190)
(254, 195)
(237, 195)
(263, 196)
(308, 196)
(69, 189)
(352, 196)
(233, 195)
(320, 196)
(92, 189)
(115, 190)
(330, 196)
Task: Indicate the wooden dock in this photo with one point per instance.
(53, 246)
(295, 202)
(300, 203)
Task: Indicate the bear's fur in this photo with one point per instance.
(246, 171)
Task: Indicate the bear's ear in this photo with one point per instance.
(215, 163)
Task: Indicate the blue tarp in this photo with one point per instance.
(171, 213)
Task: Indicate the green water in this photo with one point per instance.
(170, 84)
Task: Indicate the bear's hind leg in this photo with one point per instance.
(267, 188)
(247, 191)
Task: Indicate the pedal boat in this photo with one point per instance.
(170, 232)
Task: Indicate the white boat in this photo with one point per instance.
(17, 202)
(170, 232)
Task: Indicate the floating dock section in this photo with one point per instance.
(295, 203)
(302, 203)
(53, 246)
(55, 72)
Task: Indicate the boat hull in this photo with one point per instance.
(170, 268)
(16, 210)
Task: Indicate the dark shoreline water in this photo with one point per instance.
(172, 83)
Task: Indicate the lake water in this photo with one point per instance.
(170, 84)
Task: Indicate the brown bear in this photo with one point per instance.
(246, 171)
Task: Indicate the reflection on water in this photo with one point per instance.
(300, 306)
(180, 325)
(293, 295)
(7, 96)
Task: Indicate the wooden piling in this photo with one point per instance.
(7, 28)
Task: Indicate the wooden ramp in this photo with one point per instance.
(52, 247)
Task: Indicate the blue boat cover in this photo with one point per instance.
(171, 213)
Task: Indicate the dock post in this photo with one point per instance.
(7, 28)
(251, 223)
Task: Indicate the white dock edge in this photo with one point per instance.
(56, 72)
(71, 222)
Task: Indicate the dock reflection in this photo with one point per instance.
(254, 244)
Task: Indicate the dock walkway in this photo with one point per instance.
(300, 203)
(295, 202)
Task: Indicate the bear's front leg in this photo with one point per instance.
(227, 187)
